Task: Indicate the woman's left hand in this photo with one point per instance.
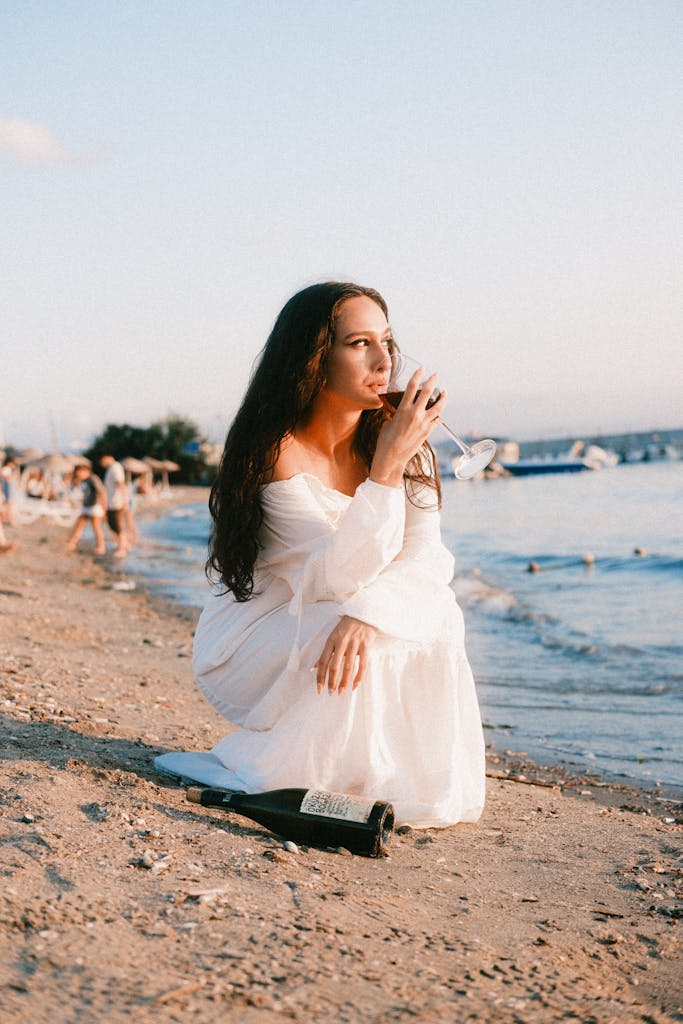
(350, 639)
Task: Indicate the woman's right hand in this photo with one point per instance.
(344, 658)
(402, 436)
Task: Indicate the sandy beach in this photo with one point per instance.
(121, 901)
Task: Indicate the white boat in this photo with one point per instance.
(600, 458)
(576, 460)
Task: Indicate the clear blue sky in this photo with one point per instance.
(507, 173)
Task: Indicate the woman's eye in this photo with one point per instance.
(358, 342)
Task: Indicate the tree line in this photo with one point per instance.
(173, 438)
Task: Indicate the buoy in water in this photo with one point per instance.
(588, 558)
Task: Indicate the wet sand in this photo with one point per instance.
(121, 901)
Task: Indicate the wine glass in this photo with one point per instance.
(474, 457)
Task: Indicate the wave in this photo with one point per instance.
(554, 635)
(639, 560)
(472, 589)
(584, 686)
(618, 763)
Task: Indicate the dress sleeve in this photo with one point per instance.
(330, 554)
(411, 598)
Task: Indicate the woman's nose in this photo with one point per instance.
(382, 358)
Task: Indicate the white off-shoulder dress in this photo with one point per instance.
(411, 733)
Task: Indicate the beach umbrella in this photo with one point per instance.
(135, 466)
(54, 467)
(28, 455)
(166, 467)
(153, 465)
(163, 467)
(78, 460)
(53, 463)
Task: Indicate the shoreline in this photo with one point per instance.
(554, 905)
(502, 763)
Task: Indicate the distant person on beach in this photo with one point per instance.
(9, 484)
(35, 484)
(5, 545)
(131, 528)
(117, 502)
(332, 636)
(93, 508)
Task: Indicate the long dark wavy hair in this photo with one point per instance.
(288, 376)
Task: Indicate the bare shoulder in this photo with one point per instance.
(289, 461)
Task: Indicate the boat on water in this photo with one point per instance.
(576, 460)
(507, 462)
(551, 464)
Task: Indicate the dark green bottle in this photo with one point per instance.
(311, 816)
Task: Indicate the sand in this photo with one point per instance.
(122, 901)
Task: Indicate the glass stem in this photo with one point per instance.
(460, 443)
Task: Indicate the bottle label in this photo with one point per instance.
(336, 805)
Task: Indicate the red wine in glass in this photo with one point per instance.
(394, 398)
(475, 457)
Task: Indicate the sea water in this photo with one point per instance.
(579, 662)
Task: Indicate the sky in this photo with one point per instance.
(506, 172)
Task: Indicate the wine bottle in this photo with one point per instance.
(311, 816)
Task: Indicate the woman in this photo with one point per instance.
(93, 508)
(332, 637)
